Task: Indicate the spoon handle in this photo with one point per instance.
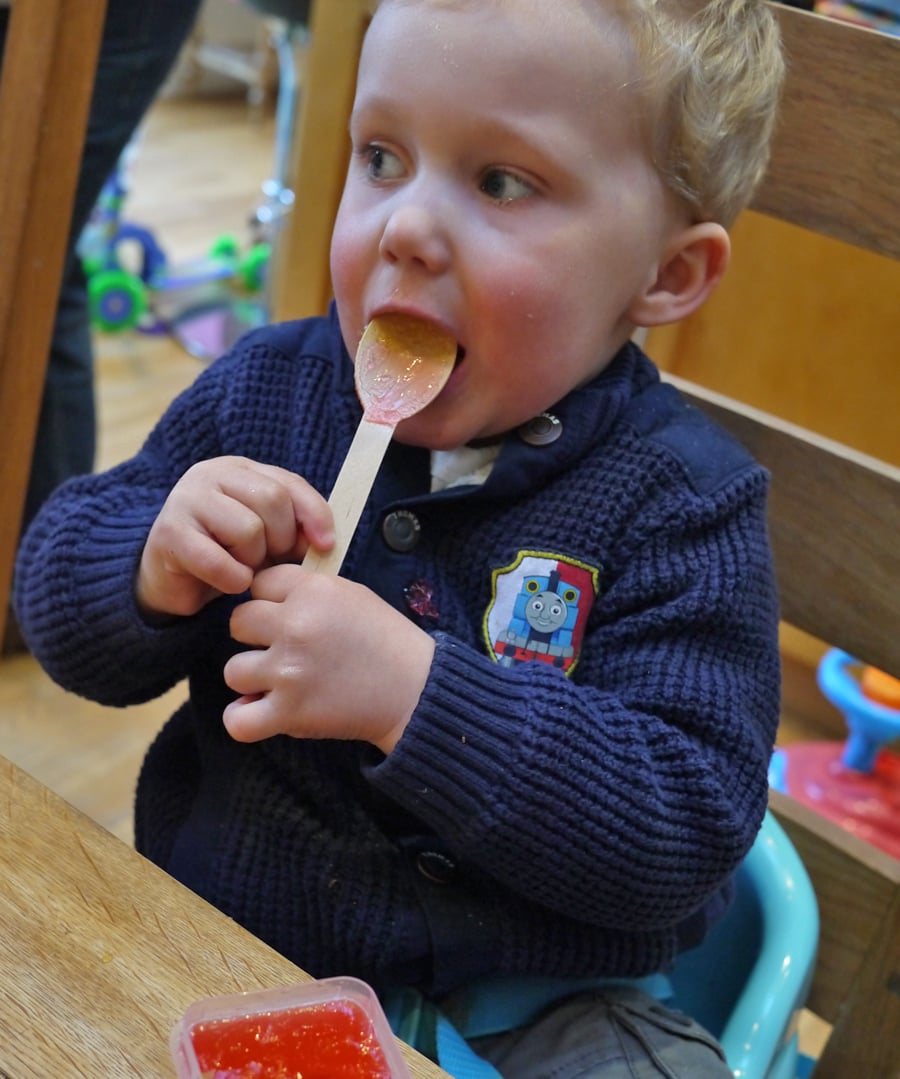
(351, 489)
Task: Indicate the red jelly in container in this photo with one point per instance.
(325, 1029)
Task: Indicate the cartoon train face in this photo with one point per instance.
(543, 622)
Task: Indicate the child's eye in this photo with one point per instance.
(504, 186)
(381, 164)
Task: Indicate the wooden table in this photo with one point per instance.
(101, 952)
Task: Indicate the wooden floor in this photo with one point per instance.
(196, 173)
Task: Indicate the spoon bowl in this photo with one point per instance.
(402, 364)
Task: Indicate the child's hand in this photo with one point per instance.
(332, 660)
(225, 519)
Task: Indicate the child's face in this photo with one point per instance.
(500, 186)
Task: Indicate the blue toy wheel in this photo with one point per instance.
(116, 300)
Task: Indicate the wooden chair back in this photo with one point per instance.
(301, 279)
(47, 75)
(835, 513)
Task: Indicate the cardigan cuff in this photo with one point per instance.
(464, 735)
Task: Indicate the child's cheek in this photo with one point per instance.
(349, 290)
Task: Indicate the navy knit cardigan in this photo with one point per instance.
(577, 816)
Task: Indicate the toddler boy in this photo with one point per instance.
(525, 734)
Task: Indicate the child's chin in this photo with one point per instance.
(427, 435)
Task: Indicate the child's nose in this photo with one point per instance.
(414, 234)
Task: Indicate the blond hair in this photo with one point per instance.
(712, 73)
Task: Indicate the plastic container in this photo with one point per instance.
(323, 1029)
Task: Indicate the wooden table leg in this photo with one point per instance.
(49, 63)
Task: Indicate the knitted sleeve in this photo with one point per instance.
(627, 795)
(74, 588)
(76, 566)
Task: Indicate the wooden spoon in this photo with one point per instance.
(402, 364)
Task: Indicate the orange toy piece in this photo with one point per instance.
(880, 687)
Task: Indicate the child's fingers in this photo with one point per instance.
(276, 583)
(246, 673)
(314, 515)
(204, 558)
(225, 519)
(290, 511)
(264, 524)
(180, 573)
(256, 622)
(250, 719)
(217, 545)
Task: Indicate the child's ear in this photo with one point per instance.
(691, 267)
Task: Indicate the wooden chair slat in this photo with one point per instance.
(301, 281)
(857, 982)
(834, 513)
(835, 521)
(835, 166)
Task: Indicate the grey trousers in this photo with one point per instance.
(603, 1034)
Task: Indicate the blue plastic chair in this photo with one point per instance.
(748, 981)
